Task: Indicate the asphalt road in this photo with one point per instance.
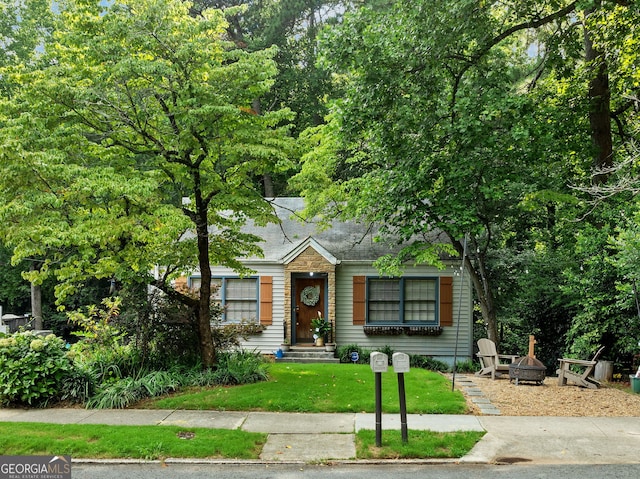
(355, 471)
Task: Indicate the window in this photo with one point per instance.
(406, 301)
(238, 297)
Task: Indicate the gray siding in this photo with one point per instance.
(440, 347)
(271, 338)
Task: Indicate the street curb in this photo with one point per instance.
(170, 460)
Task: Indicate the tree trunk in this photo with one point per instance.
(599, 109)
(207, 350)
(475, 264)
(36, 301)
(485, 297)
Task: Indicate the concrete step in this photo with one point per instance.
(308, 360)
(308, 354)
(308, 348)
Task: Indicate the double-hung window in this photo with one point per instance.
(402, 301)
(238, 297)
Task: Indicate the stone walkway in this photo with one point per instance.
(470, 389)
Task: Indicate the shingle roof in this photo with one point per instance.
(346, 241)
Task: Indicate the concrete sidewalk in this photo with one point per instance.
(303, 438)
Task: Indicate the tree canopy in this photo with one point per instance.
(138, 129)
(477, 119)
(132, 134)
(300, 84)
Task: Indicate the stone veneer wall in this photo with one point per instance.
(306, 262)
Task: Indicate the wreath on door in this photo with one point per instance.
(310, 295)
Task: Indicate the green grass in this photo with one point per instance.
(161, 442)
(135, 442)
(420, 444)
(291, 388)
(324, 388)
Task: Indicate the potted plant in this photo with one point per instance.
(330, 347)
(321, 328)
(329, 344)
(286, 345)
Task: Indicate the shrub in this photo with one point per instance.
(226, 337)
(127, 391)
(344, 353)
(240, 367)
(157, 383)
(103, 351)
(78, 386)
(388, 350)
(467, 366)
(33, 369)
(237, 367)
(117, 395)
(415, 360)
(165, 331)
(96, 323)
(197, 376)
(426, 362)
(108, 364)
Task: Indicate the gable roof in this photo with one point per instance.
(343, 241)
(312, 243)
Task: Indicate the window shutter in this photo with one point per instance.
(266, 300)
(359, 300)
(446, 301)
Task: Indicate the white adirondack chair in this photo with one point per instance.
(490, 361)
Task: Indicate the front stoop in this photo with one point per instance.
(310, 354)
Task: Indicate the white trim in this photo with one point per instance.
(294, 252)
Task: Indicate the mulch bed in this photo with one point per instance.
(549, 399)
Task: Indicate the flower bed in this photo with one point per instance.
(398, 330)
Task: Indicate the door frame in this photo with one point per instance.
(294, 298)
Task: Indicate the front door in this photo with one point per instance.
(308, 299)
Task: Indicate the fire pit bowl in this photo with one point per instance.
(527, 368)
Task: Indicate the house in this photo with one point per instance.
(306, 271)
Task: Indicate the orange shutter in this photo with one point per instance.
(359, 300)
(266, 300)
(446, 301)
(181, 283)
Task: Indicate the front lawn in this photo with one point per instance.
(161, 442)
(420, 444)
(131, 442)
(291, 388)
(323, 388)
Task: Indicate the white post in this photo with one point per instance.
(3, 328)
